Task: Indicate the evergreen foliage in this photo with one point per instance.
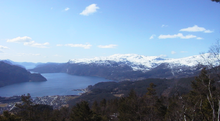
(216, 0)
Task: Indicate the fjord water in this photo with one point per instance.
(56, 84)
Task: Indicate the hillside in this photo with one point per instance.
(122, 67)
(112, 90)
(11, 74)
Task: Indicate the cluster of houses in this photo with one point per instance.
(57, 101)
(6, 103)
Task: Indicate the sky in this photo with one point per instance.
(60, 30)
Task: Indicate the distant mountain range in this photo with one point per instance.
(27, 65)
(130, 66)
(145, 63)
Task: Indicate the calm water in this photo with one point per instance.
(56, 84)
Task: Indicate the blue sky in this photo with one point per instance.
(56, 31)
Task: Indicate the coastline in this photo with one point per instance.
(82, 91)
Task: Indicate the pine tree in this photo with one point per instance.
(215, 0)
(150, 90)
(7, 116)
(95, 107)
(26, 108)
(203, 98)
(81, 112)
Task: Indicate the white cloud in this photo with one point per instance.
(66, 9)
(3, 47)
(85, 46)
(196, 28)
(199, 38)
(107, 46)
(20, 39)
(152, 36)
(164, 25)
(208, 31)
(89, 10)
(179, 35)
(28, 41)
(34, 44)
(36, 54)
(173, 52)
(59, 45)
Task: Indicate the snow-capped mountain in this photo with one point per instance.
(131, 66)
(145, 63)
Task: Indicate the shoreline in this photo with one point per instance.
(83, 91)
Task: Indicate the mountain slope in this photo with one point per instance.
(145, 63)
(10, 74)
(130, 67)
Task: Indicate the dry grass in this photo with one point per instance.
(71, 97)
(3, 104)
(118, 95)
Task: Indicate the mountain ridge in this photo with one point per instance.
(145, 63)
(131, 67)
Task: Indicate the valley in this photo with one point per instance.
(112, 60)
(92, 79)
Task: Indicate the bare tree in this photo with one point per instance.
(212, 62)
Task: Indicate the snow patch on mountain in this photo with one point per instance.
(144, 63)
